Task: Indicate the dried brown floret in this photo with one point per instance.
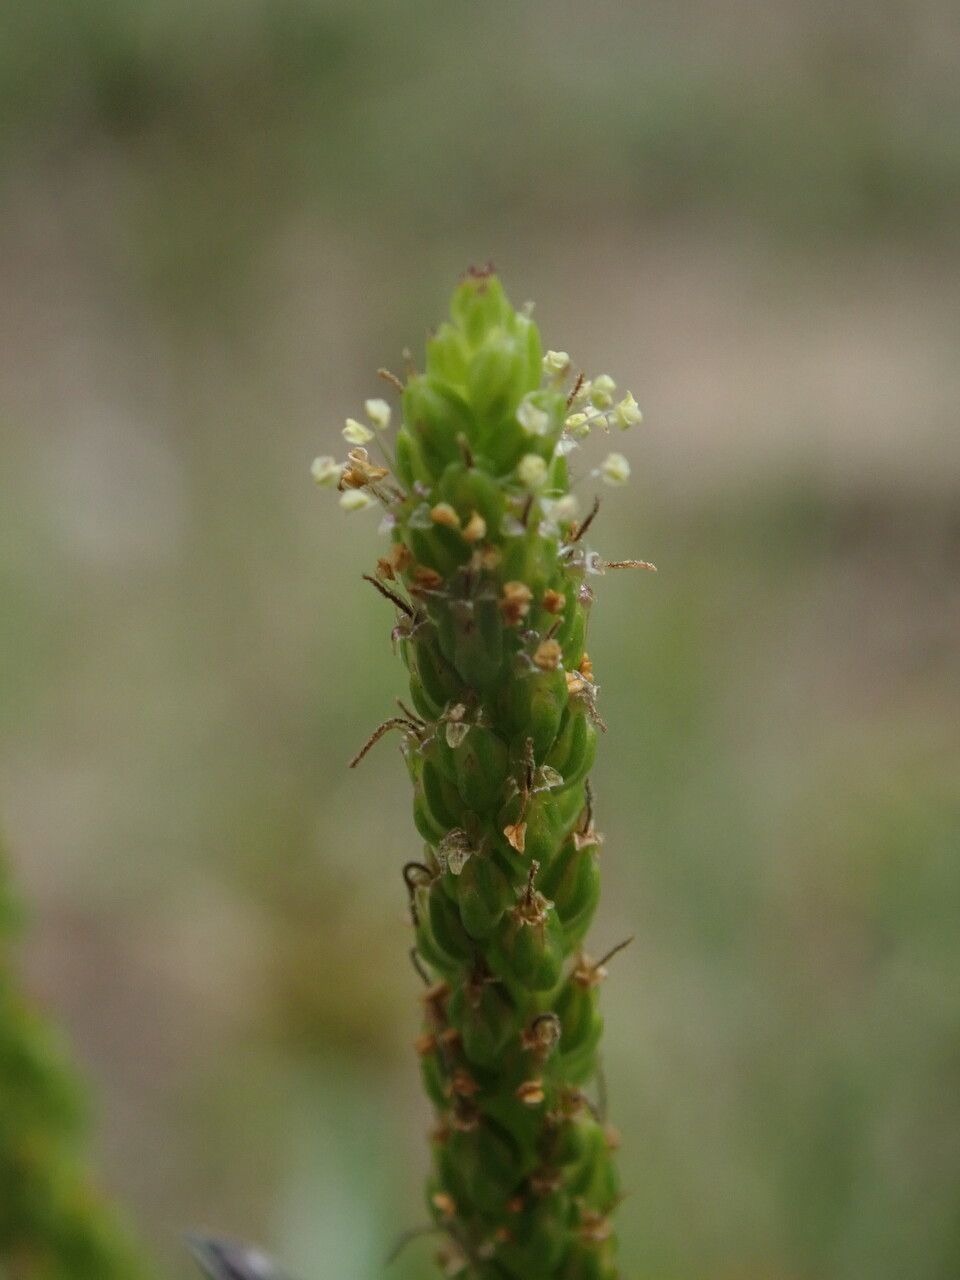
(547, 655)
(515, 602)
(516, 833)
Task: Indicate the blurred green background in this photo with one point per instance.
(217, 220)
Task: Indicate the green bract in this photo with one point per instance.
(490, 577)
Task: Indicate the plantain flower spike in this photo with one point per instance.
(488, 573)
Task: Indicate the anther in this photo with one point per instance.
(612, 1137)
(443, 513)
(463, 1084)
(595, 1228)
(395, 561)
(515, 601)
(475, 528)
(530, 1093)
(547, 655)
(427, 579)
(575, 682)
(445, 1203)
(436, 995)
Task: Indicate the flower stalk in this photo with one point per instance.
(492, 583)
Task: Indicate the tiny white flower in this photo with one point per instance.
(578, 424)
(532, 419)
(615, 469)
(627, 412)
(355, 499)
(559, 511)
(565, 509)
(532, 471)
(378, 411)
(601, 391)
(326, 471)
(356, 433)
(556, 363)
(583, 395)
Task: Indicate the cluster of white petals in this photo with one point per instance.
(592, 404)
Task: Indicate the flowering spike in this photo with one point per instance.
(487, 546)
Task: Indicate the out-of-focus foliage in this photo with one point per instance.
(225, 118)
(53, 1224)
(214, 217)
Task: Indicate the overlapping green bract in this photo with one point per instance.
(53, 1225)
(491, 579)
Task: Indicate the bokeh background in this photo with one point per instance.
(217, 219)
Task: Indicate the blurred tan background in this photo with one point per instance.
(217, 220)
